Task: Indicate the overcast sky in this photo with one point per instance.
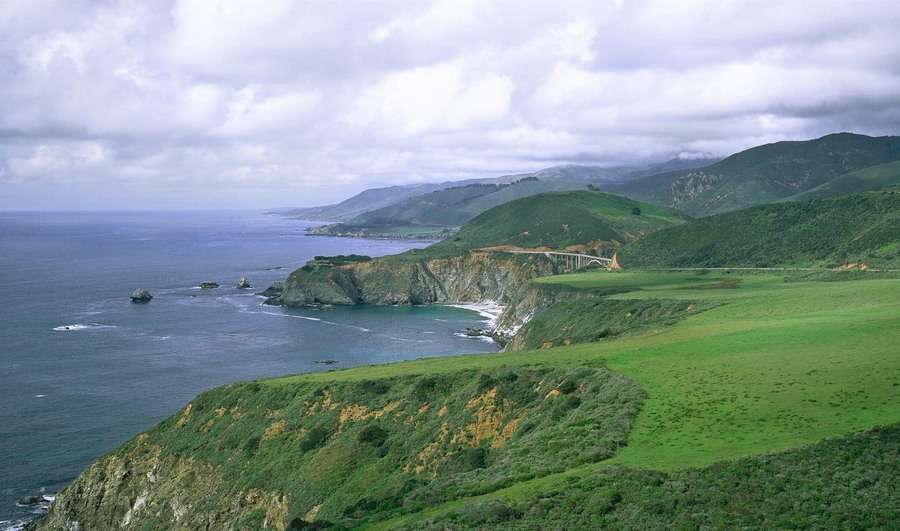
(258, 103)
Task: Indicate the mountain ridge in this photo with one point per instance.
(763, 174)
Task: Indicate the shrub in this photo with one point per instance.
(372, 434)
(375, 387)
(315, 438)
(568, 387)
(252, 445)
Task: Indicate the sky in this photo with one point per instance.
(256, 104)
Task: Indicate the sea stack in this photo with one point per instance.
(243, 283)
(141, 296)
(208, 284)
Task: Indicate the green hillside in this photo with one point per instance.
(827, 232)
(558, 220)
(674, 425)
(763, 174)
(866, 179)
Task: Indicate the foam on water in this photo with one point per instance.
(79, 326)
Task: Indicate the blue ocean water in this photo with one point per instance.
(82, 369)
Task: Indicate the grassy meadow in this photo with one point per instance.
(772, 364)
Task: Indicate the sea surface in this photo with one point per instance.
(82, 369)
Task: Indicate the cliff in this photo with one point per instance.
(473, 277)
(301, 451)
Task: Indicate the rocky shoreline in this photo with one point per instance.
(496, 285)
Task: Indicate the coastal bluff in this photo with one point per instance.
(473, 277)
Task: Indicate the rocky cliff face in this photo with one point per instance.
(473, 277)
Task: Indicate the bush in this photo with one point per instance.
(251, 446)
(424, 387)
(465, 460)
(568, 387)
(375, 387)
(315, 438)
(372, 434)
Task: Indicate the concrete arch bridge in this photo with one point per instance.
(574, 261)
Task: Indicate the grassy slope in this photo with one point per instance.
(866, 179)
(764, 174)
(829, 232)
(368, 448)
(780, 364)
(557, 220)
(777, 366)
(842, 483)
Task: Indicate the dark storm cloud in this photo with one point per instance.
(245, 103)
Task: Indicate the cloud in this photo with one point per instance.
(432, 99)
(298, 102)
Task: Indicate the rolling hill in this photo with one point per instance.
(763, 174)
(866, 179)
(559, 220)
(429, 209)
(826, 232)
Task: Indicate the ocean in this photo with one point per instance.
(82, 369)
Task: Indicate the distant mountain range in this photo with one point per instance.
(436, 209)
(833, 165)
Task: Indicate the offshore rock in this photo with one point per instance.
(243, 283)
(141, 296)
(208, 284)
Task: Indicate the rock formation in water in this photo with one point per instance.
(243, 283)
(273, 293)
(208, 284)
(141, 296)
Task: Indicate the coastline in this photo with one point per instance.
(489, 309)
(183, 327)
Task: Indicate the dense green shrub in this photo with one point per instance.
(372, 434)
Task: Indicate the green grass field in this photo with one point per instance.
(780, 364)
(775, 365)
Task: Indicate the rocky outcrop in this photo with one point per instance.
(208, 284)
(472, 277)
(273, 293)
(475, 277)
(141, 296)
(243, 283)
(143, 488)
